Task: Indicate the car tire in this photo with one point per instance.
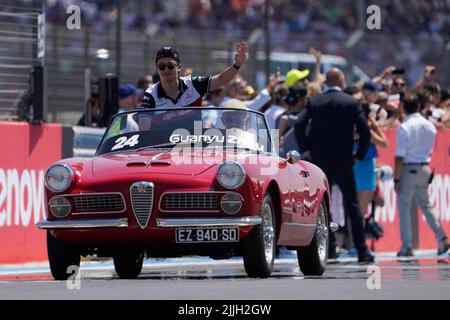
(61, 256)
(312, 260)
(257, 262)
(128, 263)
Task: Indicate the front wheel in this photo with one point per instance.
(259, 246)
(128, 263)
(312, 260)
(63, 258)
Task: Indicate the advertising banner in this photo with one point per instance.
(26, 152)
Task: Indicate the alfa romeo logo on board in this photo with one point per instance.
(141, 187)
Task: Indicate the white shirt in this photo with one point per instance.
(415, 139)
(272, 115)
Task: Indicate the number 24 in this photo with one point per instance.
(123, 141)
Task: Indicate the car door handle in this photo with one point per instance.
(304, 173)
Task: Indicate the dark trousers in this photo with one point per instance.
(343, 176)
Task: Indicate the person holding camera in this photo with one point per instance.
(365, 169)
(415, 140)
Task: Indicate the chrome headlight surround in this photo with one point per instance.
(231, 203)
(231, 175)
(61, 172)
(60, 207)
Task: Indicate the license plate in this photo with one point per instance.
(196, 235)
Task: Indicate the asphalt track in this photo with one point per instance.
(424, 277)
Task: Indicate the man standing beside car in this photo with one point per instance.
(329, 145)
(174, 91)
(415, 140)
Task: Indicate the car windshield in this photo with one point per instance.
(199, 127)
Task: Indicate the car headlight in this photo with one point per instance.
(231, 175)
(60, 207)
(231, 203)
(59, 177)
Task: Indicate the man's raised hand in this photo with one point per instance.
(241, 53)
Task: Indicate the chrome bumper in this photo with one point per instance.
(208, 222)
(84, 224)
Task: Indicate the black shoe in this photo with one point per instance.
(443, 246)
(405, 253)
(332, 253)
(365, 257)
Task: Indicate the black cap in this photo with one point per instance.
(167, 52)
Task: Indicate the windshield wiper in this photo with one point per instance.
(157, 146)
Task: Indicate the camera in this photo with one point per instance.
(294, 95)
(385, 173)
(399, 71)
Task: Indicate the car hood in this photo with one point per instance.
(158, 162)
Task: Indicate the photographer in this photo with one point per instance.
(95, 112)
(365, 169)
(295, 100)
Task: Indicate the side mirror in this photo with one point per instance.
(293, 156)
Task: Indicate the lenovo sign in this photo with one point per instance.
(27, 150)
(21, 197)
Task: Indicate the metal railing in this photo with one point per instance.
(18, 34)
(70, 52)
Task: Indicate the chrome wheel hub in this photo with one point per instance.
(322, 235)
(268, 233)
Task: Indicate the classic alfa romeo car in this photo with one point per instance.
(190, 181)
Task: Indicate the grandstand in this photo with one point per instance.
(413, 33)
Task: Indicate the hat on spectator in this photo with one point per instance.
(125, 90)
(249, 90)
(235, 104)
(294, 75)
(167, 52)
(371, 86)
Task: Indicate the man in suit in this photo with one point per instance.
(329, 144)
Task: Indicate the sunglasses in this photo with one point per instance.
(163, 66)
(399, 84)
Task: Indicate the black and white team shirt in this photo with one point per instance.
(192, 90)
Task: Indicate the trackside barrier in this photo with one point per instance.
(86, 140)
(27, 150)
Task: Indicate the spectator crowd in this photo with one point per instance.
(310, 16)
(413, 32)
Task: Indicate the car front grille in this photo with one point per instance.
(102, 202)
(142, 201)
(190, 201)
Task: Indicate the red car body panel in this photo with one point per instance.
(299, 187)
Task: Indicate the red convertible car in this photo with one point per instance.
(190, 181)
